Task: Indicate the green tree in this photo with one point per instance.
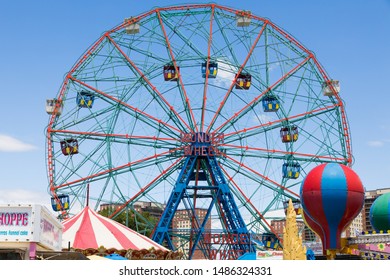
(140, 222)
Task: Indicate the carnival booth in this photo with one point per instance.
(92, 233)
(26, 229)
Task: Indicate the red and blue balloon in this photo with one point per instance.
(332, 195)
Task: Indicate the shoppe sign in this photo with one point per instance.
(15, 223)
(30, 223)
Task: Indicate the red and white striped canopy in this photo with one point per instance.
(88, 229)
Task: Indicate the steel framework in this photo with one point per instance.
(194, 107)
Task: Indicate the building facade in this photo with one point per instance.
(279, 225)
(370, 196)
(183, 222)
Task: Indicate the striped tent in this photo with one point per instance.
(88, 230)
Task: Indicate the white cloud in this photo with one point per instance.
(273, 66)
(23, 196)
(226, 74)
(376, 143)
(10, 144)
(262, 119)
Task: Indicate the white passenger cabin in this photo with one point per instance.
(51, 105)
(243, 18)
(327, 90)
(132, 28)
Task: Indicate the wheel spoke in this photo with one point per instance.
(272, 183)
(185, 98)
(235, 79)
(136, 113)
(207, 67)
(247, 202)
(167, 108)
(256, 100)
(119, 169)
(144, 190)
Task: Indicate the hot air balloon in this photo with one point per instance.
(313, 225)
(380, 213)
(332, 195)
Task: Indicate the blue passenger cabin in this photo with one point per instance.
(170, 73)
(211, 71)
(63, 203)
(69, 146)
(243, 81)
(289, 134)
(85, 99)
(270, 241)
(270, 104)
(291, 170)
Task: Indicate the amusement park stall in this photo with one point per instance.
(26, 229)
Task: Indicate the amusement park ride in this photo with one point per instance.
(194, 107)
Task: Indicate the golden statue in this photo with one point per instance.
(293, 248)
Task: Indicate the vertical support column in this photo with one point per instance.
(161, 233)
(234, 224)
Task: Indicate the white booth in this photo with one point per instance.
(28, 228)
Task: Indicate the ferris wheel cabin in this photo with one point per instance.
(327, 87)
(132, 28)
(243, 18)
(61, 204)
(85, 99)
(243, 81)
(69, 146)
(289, 134)
(170, 73)
(270, 104)
(270, 240)
(291, 170)
(51, 105)
(211, 71)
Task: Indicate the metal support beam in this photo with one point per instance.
(220, 195)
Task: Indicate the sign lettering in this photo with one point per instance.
(13, 219)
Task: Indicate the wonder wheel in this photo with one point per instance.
(208, 115)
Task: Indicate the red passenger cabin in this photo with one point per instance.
(170, 73)
(69, 146)
(243, 81)
(289, 134)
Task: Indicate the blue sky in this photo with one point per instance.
(42, 39)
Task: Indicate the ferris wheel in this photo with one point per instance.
(193, 107)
